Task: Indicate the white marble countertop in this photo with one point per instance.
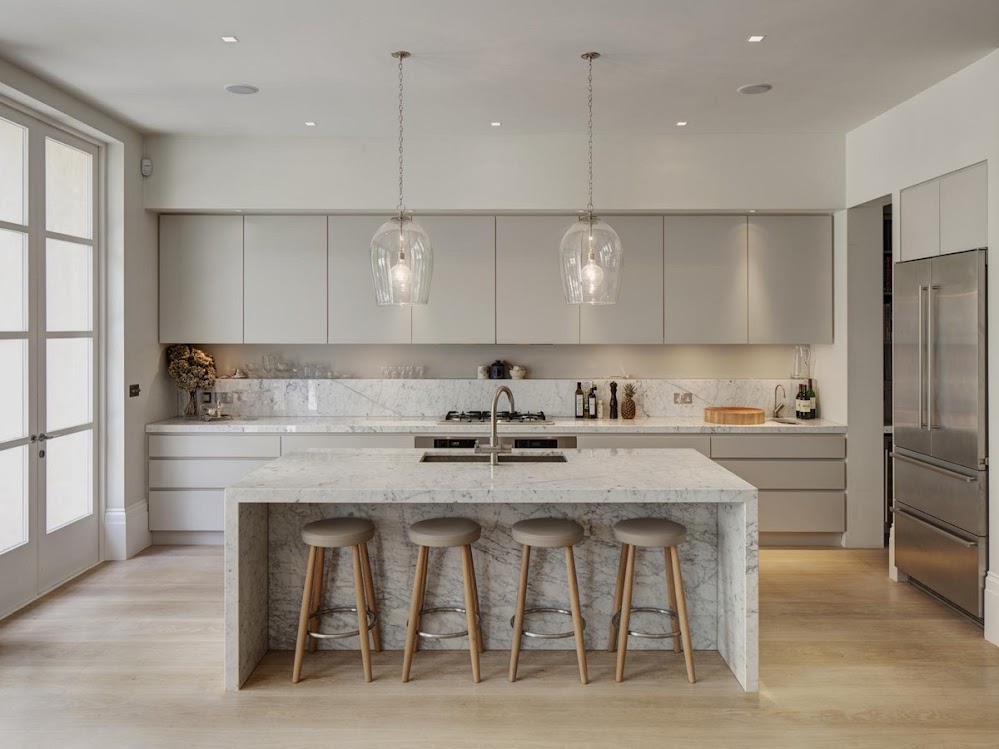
(398, 476)
(414, 425)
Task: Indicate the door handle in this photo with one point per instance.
(42, 437)
(939, 531)
(929, 356)
(931, 467)
(919, 354)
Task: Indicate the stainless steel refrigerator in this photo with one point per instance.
(941, 426)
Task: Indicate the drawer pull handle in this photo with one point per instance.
(931, 467)
(940, 531)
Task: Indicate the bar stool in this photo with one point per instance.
(548, 533)
(444, 533)
(650, 533)
(335, 533)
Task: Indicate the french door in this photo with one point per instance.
(49, 528)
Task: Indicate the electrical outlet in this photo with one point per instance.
(206, 397)
(683, 399)
(133, 391)
(225, 398)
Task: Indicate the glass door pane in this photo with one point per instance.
(69, 479)
(68, 383)
(68, 190)
(13, 498)
(69, 286)
(13, 279)
(13, 172)
(13, 389)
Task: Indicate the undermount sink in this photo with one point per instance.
(473, 458)
(786, 421)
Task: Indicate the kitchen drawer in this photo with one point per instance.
(199, 474)
(789, 474)
(214, 446)
(802, 512)
(190, 510)
(293, 443)
(778, 446)
(957, 498)
(596, 441)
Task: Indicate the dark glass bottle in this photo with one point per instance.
(812, 406)
(801, 405)
(592, 402)
(613, 401)
(579, 400)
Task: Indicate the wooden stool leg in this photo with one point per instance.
(478, 610)
(681, 609)
(317, 597)
(518, 616)
(415, 604)
(612, 640)
(473, 632)
(577, 615)
(369, 594)
(303, 617)
(671, 594)
(622, 637)
(362, 613)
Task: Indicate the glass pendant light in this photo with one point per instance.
(402, 260)
(591, 253)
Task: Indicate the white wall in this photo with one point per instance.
(951, 125)
(515, 173)
(133, 351)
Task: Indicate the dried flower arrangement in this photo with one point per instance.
(191, 369)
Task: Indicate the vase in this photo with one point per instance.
(192, 404)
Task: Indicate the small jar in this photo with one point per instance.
(600, 409)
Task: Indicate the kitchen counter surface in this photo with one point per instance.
(413, 425)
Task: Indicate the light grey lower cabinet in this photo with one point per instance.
(462, 306)
(354, 317)
(699, 442)
(635, 318)
(790, 282)
(530, 307)
(706, 276)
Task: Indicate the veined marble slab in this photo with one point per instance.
(400, 425)
(595, 487)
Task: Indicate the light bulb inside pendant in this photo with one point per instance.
(593, 275)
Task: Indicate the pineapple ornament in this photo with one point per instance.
(628, 404)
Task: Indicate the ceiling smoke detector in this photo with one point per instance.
(243, 89)
(754, 88)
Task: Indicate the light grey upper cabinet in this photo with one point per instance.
(201, 279)
(354, 317)
(530, 307)
(919, 234)
(636, 317)
(790, 279)
(964, 210)
(706, 279)
(462, 306)
(284, 279)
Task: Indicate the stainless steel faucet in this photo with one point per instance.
(779, 404)
(495, 449)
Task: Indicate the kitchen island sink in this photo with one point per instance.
(473, 458)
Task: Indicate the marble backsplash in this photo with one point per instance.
(433, 398)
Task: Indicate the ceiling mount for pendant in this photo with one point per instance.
(402, 259)
(591, 253)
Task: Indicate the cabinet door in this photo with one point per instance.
(706, 279)
(637, 316)
(284, 279)
(530, 307)
(920, 231)
(462, 307)
(354, 317)
(790, 279)
(964, 210)
(201, 279)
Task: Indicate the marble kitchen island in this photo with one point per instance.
(265, 557)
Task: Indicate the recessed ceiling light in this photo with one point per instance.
(754, 88)
(495, 124)
(230, 40)
(682, 123)
(757, 38)
(310, 123)
(244, 89)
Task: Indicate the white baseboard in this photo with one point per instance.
(188, 538)
(894, 573)
(992, 608)
(126, 531)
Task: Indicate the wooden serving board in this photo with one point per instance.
(734, 415)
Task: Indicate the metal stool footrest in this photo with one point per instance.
(546, 635)
(372, 620)
(446, 635)
(616, 622)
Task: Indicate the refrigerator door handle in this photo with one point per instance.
(931, 467)
(929, 356)
(919, 354)
(950, 536)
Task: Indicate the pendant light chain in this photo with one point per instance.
(589, 124)
(401, 207)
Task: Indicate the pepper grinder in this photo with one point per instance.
(613, 400)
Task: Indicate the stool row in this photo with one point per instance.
(550, 533)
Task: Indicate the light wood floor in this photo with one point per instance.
(130, 655)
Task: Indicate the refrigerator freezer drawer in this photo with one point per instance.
(959, 498)
(951, 566)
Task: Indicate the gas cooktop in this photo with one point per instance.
(483, 417)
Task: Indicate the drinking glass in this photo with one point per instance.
(800, 362)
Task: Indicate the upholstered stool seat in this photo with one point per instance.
(333, 533)
(444, 532)
(549, 533)
(655, 533)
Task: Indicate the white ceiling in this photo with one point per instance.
(160, 64)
